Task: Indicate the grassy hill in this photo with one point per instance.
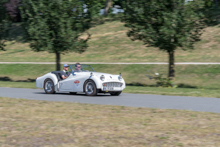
(109, 43)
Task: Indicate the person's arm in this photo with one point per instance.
(63, 75)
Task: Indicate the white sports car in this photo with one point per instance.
(84, 80)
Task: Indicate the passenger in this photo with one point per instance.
(65, 74)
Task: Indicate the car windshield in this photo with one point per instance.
(81, 68)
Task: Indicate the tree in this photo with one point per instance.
(166, 24)
(95, 6)
(13, 11)
(55, 26)
(3, 24)
(108, 5)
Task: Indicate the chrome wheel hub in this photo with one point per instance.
(49, 86)
(89, 88)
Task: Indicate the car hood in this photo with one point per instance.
(100, 73)
(108, 77)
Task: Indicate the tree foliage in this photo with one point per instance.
(4, 25)
(13, 11)
(165, 24)
(95, 6)
(55, 26)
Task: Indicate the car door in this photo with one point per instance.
(67, 84)
(71, 84)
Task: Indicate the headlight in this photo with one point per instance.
(102, 77)
(119, 78)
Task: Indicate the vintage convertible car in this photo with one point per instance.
(84, 80)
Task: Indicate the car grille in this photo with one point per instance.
(112, 84)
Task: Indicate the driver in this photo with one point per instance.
(65, 73)
(77, 67)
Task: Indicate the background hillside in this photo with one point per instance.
(109, 43)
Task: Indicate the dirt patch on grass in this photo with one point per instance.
(41, 123)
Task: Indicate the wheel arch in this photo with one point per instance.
(53, 77)
(40, 80)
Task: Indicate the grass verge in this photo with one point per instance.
(42, 123)
(173, 91)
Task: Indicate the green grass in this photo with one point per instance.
(194, 92)
(18, 84)
(192, 80)
(189, 76)
(43, 123)
(109, 43)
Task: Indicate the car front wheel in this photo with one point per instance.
(90, 88)
(115, 93)
(49, 86)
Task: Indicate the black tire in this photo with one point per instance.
(90, 88)
(49, 86)
(73, 93)
(115, 93)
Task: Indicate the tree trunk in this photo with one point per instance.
(171, 73)
(108, 4)
(58, 61)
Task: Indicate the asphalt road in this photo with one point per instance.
(125, 99)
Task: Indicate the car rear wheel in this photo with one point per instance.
(115, 93)
(49, 86)
(90, 88)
